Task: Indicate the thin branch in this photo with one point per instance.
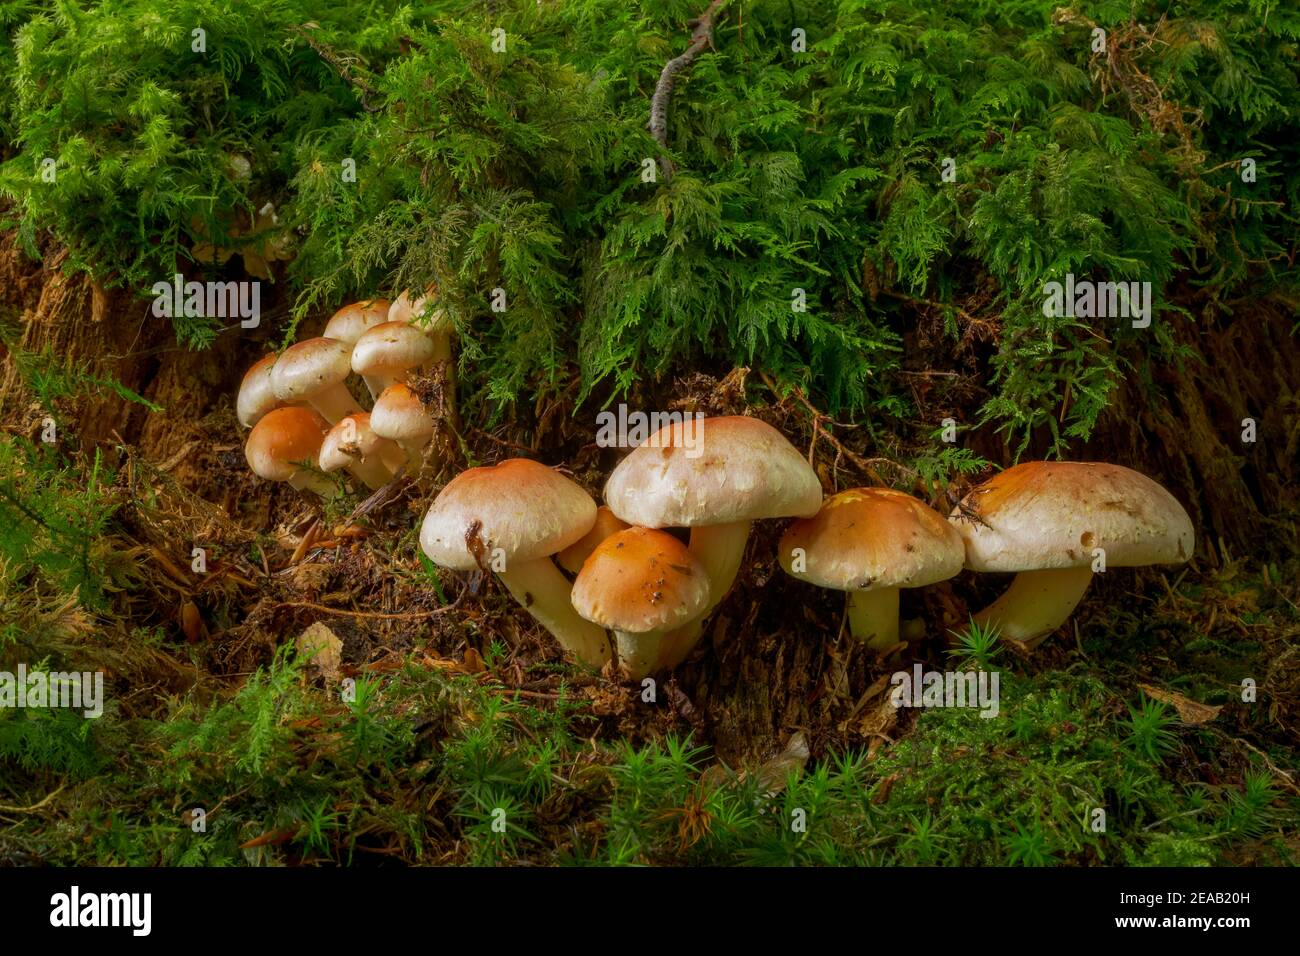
(701, 36)
(864, 465)
(409, 616)
(4, 808)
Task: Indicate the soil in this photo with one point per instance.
(765, 670)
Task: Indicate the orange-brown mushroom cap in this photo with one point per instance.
(282, 438)
(867, 538)
(640, 581)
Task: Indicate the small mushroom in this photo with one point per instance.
(400, 416)
(316, 371)
(350, 322)
(256, 392)
(642, 584)
(406, 309)
(1050, 522)
(424, 314)
(389, 352)
(715, 476)
(870, 542)
(607, 523)
(511, 518)
(282, 441)
(352, 444)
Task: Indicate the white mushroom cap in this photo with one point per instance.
(282, 437)
(868, 538)
(352, 440)
(256, 392)
(410, 312)
(350, 322)
(525, 508)
(400, 415)
(391, 349)
(713, 471)
(1043, 515)
(311, 367)
(640, 581)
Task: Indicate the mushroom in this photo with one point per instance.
(349, 322)
(607, 523)
(510, 518)
(715, 476)
(642, 584)
(256, 393)
(399, 415)
(437, 324)
(388, 352)
(281, 440)
(404, 309)
(1046, 521)
(870, 542)
(353, 444)
(316, 371)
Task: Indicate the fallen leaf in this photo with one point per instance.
(324, 649)
(1190, 712)
(473, 662)
(192, 622)
(270, 837)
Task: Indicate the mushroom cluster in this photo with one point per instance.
(640, 597)
(635, 593)
(305, 422)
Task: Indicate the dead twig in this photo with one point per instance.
(865, 465)
(407, 616)
(701, 36)
(1278, 772)
(5, 808)
(380, 498)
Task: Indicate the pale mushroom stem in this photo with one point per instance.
(676, 646)
(544, 593)
(374, 385)
(335, 404)
(371, 471)
(639, 654)
(394, 458)
(1037, 603)
(415, 455)
(873, 617)
(720, 548)
(304, 480)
